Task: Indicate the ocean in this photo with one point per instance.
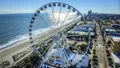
(15, 27)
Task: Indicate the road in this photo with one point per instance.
(102, 57)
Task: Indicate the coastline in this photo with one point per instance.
(23, 45)
(3, 47)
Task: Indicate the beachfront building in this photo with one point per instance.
(114, 41)
(112, 37)
(82, 30)
(116, 26)
(107, 30)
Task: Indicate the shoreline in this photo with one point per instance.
(11, 44)
(7, 52)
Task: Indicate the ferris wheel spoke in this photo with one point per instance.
(44, 22)
(53, 13)
(75, 18)
(61, 55)
(59, 14)
(66, 16)
(49, 20)
(44, 57)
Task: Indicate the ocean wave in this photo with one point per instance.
(19, 38)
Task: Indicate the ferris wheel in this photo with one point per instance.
(49, 20)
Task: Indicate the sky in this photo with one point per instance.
(30, 6)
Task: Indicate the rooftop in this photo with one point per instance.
(116, 39)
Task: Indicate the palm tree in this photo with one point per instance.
(28, 65)
(71, 48)
(94, 52)
(107, 51)
(83, 47)
(94, 59)
(26, 60)
(109, 58)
